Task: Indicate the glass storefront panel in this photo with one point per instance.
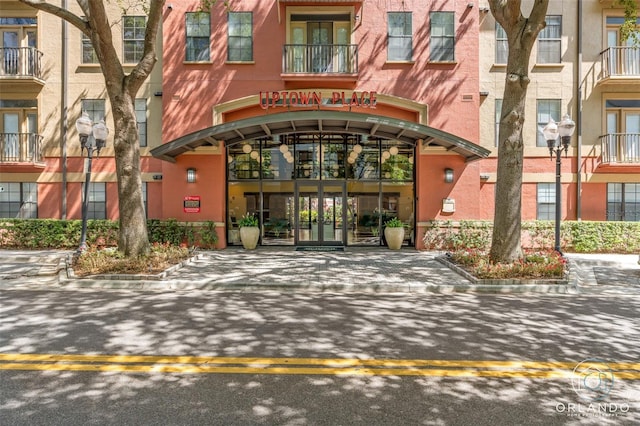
(277, 159)
(321, 189)
(363, 161)
(333, 157)
(243, 198)
(307, 157)
(363, 204)
(244, 161)
(397, 161)
(278, 212)
(398, 201)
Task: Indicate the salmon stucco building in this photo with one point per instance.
(324, 119)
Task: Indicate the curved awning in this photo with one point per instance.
(319, 121)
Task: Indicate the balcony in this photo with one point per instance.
(620, 65)
(20, 148)
(334, 61)
(21, 63)
(620, 148)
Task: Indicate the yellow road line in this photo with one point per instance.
(300, 366)
(339, 362)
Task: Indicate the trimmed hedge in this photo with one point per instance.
(575, 236)
(65, 234)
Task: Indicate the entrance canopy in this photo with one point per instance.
(320, 121)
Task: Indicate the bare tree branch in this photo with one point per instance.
(70, 17)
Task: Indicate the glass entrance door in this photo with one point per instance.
(320, 213)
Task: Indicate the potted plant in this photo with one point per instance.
(249, 231)
(394, 233)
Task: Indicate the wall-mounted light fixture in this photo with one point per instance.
(191, 175)
(448, 175)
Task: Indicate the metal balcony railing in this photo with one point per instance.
(320, 59)
(20, 148)
(20, 62)
(620, 148)
(621, 61)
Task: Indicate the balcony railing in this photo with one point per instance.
(620, 148)
(20, 148)
(320, 59)
(621, 62)
(20, 62)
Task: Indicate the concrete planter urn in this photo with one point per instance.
(249, 236)
(249, 231)
(394, 233)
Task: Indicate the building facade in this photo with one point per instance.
(49, 74)
(324, 118)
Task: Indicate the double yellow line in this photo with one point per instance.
(301, 366)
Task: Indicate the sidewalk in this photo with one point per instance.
(356, 269)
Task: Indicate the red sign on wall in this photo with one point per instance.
(192, 204)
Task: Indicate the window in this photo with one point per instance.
(19, 43)
(550, 41)
(622, 144)
(198, 25)
(400, 37)
(442, 37)
(133, 29)
(19, 200)
(502, 45)
(141, 120)
(94, 108)
(547, 109)
(240, 41)
(546, 205)
(498, 117)
(19, 138)
(88, 52)
(623, 201)
(97, 207)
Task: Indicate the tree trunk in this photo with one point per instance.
(521, 32)
(506, 240)
(133, 239)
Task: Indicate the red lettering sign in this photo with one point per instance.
(364, 99)
(191, 204)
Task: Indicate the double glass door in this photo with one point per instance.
(320, 212)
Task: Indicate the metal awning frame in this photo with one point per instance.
(324, 121)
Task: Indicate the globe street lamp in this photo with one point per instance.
(551, 131)
(93, 136)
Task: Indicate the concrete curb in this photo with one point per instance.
(69, 273)
(560, 286)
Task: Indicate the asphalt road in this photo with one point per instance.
(241, 358)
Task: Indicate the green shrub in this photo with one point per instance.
(65, 234)
(575, 236)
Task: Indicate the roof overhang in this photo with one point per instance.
(324, 121)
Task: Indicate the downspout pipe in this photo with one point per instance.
(64, 109)
(579, 116)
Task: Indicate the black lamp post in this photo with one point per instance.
(551, 131)
(93, 136)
